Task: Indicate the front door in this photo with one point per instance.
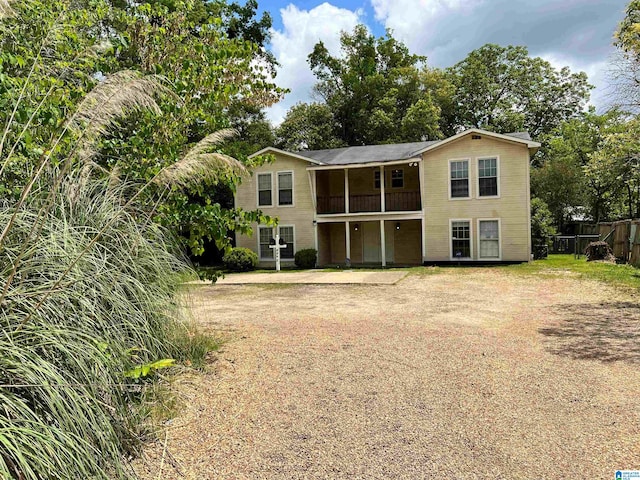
(371, 242)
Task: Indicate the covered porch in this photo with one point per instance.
(364, 242)
(368, 189)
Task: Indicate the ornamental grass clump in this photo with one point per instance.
(82, 309)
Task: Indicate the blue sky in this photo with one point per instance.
(574, 33)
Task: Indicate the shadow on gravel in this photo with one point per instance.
(607, 332)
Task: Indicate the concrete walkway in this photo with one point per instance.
(315, 277)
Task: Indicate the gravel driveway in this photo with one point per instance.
(472, 373)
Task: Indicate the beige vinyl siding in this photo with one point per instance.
(300, 215)
(512, 207)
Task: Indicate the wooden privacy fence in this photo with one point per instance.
(624, 238)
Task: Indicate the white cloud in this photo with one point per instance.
(302, 29)
(576, 33)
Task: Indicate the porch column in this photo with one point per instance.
(383, 247)
(347, 235)
(346, 190)
(421, 181)
(314, 191)
(382, 205)
(424, 240)
(315, 236)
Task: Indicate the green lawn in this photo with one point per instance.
(621, 275)
(615, 274)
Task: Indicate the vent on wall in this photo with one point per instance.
(475, 137)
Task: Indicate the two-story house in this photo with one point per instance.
(464, 198)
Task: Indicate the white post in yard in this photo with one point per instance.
(277, 245)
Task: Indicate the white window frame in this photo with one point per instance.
(469, 169)
(294, 241)
(470, 222)
(401, 170)
(487, 157)
(267, 259)
(292, 188)
(273, 258)
(258, 189)
(490, 259)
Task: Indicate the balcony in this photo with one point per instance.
(394, 202)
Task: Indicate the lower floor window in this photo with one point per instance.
(286, 235)
(460, 239)
(267, 234)
(489, 239)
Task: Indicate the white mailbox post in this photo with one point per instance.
(277, 244)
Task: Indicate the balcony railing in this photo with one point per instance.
(364, 203)
(402, 201)
(394, 202)
(331, 204)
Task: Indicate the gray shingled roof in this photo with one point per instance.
(377, 153)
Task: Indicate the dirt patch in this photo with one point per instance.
(482, 375)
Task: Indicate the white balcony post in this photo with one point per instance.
(421, 181)
(347, 236)
(346, 190)
(383, 246)
(382, 196)
(424, 239)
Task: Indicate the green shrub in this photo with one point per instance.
(240, 260)
(306, 258)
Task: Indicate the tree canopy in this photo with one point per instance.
(210, 58)
(376, 92)
(505, 90)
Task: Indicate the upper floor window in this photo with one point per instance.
(397, 178)
(265, 194)
(487, 177)
(376, 179)
(285, 188)
(459, 178)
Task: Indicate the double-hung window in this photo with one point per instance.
(459, 178)
(266, 234)
(488, 177)
(286, 235)
(265, 195)
(376, 179)
(460, 239)
(397, 178)
(489, 238)
(285, 188)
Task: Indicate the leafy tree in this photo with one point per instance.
(214, 76)
(559, 174)
(308, 126)
(627, 36)
(541, 222)
(504, 89)
(624, 70)
(375, 91)
(616, 167)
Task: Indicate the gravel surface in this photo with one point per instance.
(467, 374)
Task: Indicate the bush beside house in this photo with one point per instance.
(306, 258)
(240, 260)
